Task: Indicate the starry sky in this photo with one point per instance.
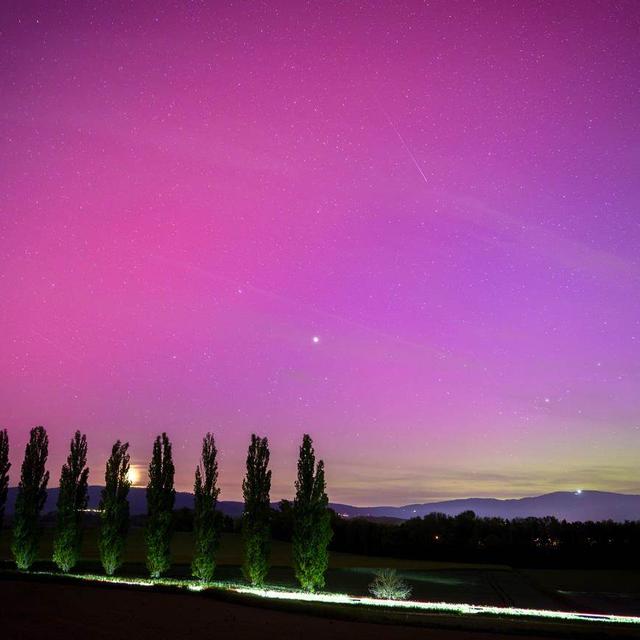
(410, 229)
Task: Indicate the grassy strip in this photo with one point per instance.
(343, 606)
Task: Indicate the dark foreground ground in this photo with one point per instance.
(596, 591)
(63, 611)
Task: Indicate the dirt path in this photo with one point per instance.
(60, 611)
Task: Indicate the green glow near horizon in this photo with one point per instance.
(343, 598)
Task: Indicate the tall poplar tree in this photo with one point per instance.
(5, 465)
(205, 518)
(114, 508)
(160, 498)
(257, 510)
(311, 520)
(72, 499)
(32, 493)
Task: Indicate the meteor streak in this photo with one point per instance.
(406, 146)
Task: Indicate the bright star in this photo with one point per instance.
(315, 339)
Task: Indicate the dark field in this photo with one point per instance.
(598, 591)
(61, 611)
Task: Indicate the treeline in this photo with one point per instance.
(525, 542)
(310, 528)
(521, 542)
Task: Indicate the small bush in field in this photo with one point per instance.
(387, 585)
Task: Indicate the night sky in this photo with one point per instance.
(410, 229)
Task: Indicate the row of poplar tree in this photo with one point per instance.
(312, 524)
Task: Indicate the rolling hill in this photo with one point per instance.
(564, 505)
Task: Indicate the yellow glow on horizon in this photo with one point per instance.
(134, 475)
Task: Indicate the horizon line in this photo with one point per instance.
(575, 492)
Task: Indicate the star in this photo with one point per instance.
(315, 339)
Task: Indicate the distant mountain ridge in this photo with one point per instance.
(564, 505)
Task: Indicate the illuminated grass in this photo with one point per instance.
(191, 585)
(438, 607)
(345, 599)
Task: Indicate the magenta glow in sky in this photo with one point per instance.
(409, 229)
